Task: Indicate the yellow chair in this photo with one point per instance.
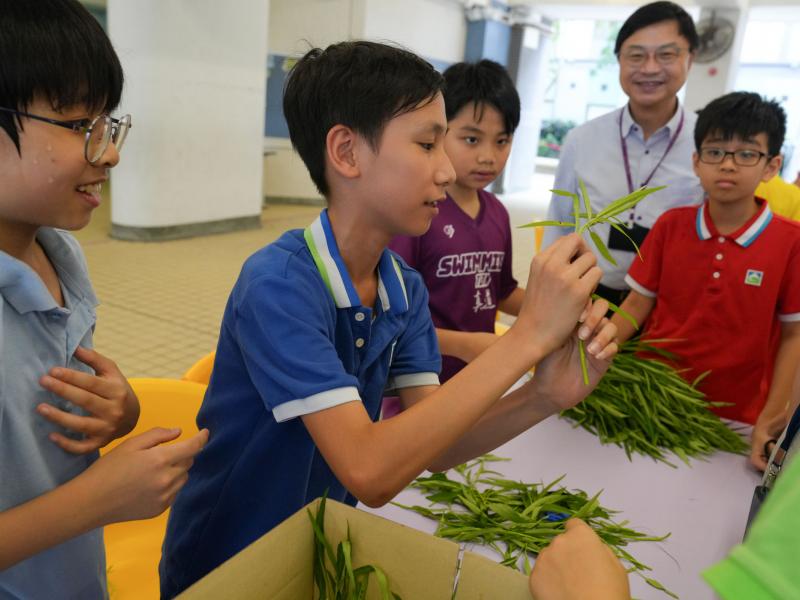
(133, 548)
(201, 370)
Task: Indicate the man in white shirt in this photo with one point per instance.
(647, 142)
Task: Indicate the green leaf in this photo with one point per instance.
(547, 224)
(602, 247)
(616, 309)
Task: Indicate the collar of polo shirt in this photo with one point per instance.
(322, 245)
(756, 225)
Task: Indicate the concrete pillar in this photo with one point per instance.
(196, 88)
(709, 80)
(528, 56)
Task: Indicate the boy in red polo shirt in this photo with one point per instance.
(723, 280)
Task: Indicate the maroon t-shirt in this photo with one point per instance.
(466, 264)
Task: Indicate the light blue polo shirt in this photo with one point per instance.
(36, 335)
(295, 340)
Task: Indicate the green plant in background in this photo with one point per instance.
(551, 136)
(584, 220)
(646, 407)
(517, 519)
(342, 581)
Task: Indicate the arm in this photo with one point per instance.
(780, 392)
(137, 480)
(108, 398)
(377, 460)
(639, 307)
(512, 303)
(556, 386)
(465, 345)
(577, 565)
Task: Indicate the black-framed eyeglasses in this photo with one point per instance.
(636, 56)
(743, 158)
(98, 131)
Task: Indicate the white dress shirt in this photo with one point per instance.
(593, 153)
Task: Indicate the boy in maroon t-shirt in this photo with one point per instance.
(465, 257)
(722, 280)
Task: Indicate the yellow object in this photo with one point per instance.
(500, 328)
(200, 371)
(783, 198)
(133, 549)
(538, 233)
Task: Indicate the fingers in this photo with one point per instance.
(77, 423)
(84, 446)
(757, 459)
(97, 361)
(574, 524)
(186, 449)
(604, 346)
(81, 389)
(150, 439)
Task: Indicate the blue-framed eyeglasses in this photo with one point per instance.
(98, 131)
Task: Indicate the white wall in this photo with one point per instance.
(435, 29)
(195, 86)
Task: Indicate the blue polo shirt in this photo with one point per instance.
(35, 335)
(295, 340)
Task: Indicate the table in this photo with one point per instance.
(704, 505)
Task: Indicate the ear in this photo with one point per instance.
(695, 162)
(340, 148)
(772, 168)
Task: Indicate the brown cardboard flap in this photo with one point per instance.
(484, 579)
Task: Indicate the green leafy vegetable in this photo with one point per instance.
(515, 518)
(334, 575)
(645, 407)
(583, 223)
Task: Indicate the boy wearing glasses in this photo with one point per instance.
(647, 142)
(723, 280)
(59, 400)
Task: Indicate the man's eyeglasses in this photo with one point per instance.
(98, 131)
(636, 56)
(743, 158)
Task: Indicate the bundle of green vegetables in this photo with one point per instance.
(516, 518)
(583, 221)
(644, 406)
(341, 581)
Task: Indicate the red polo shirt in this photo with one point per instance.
(723, 298)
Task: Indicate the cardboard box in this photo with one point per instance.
(419, 566)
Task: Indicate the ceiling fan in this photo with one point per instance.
(716, 36)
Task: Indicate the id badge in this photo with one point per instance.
(617, 241)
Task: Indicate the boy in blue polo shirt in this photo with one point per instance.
(324, 321)
(723, 280)
(59, 400)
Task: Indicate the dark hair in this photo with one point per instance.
(743, 115)
(55, 49)
(656, 12)
(359, 84)
(484, 82)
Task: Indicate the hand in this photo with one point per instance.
(108, 398)
(765, 429)
(558, 378)
(140, 478)
(578, 565)
(561, 280)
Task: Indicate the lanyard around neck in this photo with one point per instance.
(625, 152)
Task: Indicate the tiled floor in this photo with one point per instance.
(161, 303)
